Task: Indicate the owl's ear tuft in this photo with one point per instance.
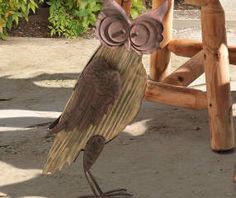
(160, 12)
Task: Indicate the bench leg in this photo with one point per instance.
(160, 60)
(216, 63)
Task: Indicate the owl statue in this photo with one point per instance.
(109, 91)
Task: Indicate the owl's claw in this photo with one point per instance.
(119, 193)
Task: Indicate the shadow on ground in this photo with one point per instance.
(168, 155)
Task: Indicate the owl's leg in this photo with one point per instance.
(98, 193)
(92, 150)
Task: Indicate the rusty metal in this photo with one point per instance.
(92, 151)
(113, 24)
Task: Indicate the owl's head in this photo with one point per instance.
(143, 35)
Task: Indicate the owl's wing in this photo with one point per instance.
(113, 24)
(146, 30)
(67, 145)
(97, 88)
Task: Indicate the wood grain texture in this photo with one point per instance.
(160, 59)
(184, 47)
(197, 2)
(67, 145)
(188, 72)
(96, 90)
(176, 96)
(232, 54)
(216, 64)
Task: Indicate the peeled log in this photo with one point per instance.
(188, 48)
(176, 96)
(197, 2)
(188, 72)
(160, 59)
(185, 47)
(216, 63)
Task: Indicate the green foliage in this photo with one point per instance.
(137, 8)
(11, 11)
(69, 18)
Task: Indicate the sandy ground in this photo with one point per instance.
(164, 153)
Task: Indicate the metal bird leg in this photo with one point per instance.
(92, 150)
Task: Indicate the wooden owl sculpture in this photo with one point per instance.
(109, 91)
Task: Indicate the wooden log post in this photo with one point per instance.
(160, 60)
(216, 63)
(232, 55)
(126, 5)
(197, 2)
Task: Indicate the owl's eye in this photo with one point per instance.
(146, 35)
(113, 31)
(113, 25)
(146, 31)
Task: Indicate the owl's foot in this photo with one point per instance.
(119, 193)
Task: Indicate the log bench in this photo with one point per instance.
(211, 56)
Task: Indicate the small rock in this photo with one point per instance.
(156, 172)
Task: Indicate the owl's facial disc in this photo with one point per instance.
(145, 35)
(113, 30)
(113, 25)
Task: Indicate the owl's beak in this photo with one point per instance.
(128, 45)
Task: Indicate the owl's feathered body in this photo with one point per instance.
(97, 88)
(105, 100)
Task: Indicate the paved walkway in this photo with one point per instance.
(163, 153)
